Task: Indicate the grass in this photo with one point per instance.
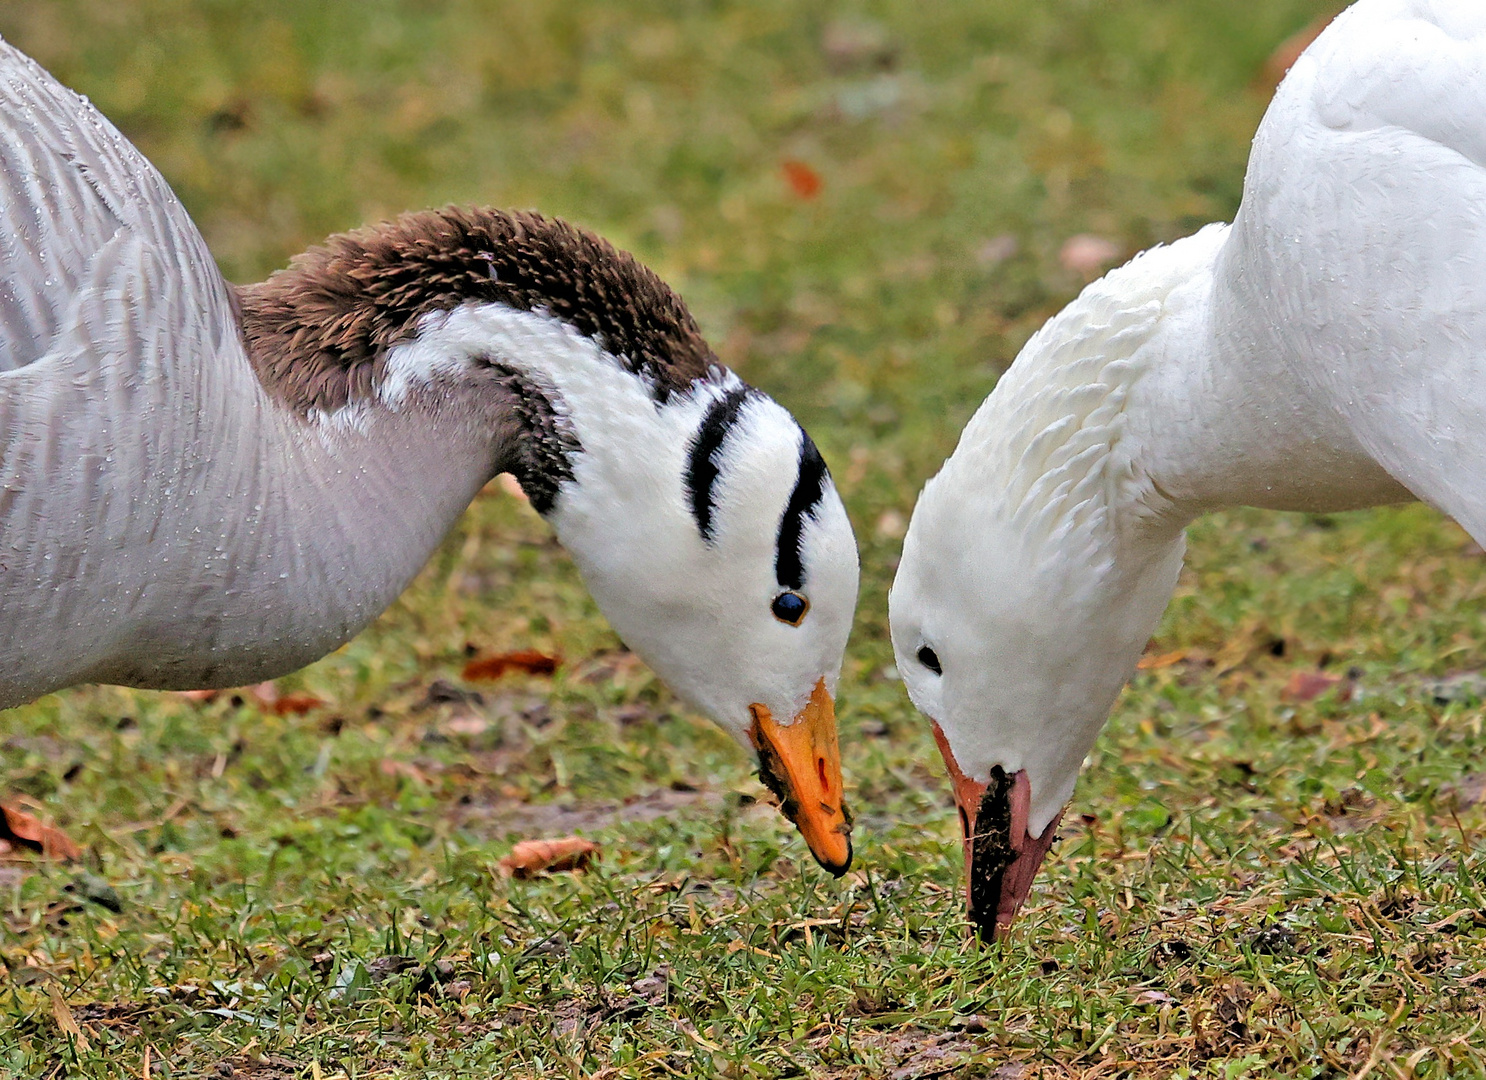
(1248, 884)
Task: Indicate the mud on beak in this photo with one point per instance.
(800, 763)
(1001, 855)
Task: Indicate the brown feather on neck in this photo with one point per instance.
(318, 332)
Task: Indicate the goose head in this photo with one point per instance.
(1034, 570)
(1015, 652)
(698, 511)
(723, 556)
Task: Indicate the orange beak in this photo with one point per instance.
(1001, 855)
(800, 763)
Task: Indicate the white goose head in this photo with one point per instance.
(722, 554)
(1034, 570)
(700, 513)
(1015, 646)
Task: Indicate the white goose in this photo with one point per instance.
(205, 486)
(1324, 352)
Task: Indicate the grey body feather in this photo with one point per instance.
(163, 521)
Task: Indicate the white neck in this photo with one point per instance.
(1157, 396)
(632, 448)
(1222, 414)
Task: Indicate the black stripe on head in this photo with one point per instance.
(702, 464)
(810, 489)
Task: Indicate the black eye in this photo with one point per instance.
(790, 607)
(930, 659)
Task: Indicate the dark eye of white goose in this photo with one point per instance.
(790, 607)
(930, 659)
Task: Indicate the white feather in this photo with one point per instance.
(1327, 351)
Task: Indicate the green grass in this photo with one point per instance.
(1247, 884)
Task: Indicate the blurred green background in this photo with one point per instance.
(869, 207)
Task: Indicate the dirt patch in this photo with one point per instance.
(914, 1054)
(502, 818)
(268, 1067)
(1464, 793)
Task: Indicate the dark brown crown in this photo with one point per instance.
(318, 332)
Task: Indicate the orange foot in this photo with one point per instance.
(20, 829)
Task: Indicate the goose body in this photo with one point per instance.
(1327, 351)
(203, 485)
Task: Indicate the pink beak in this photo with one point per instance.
(1001, 856)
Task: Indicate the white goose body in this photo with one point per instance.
(1325, 352)
(203, 485)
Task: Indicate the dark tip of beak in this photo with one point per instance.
(836, 870)
(992, 850)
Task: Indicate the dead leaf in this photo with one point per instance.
(531, 857)
(804, 181)
(529, 661)
(266, 694)
(1151, 663)
(1309, 685)
(1155, 997)
(295, 704)
(22, 829)
(1230, 1012)
(63, 1015)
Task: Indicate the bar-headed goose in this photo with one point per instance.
(204, 486)
(1326, 351)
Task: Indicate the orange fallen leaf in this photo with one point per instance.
(1151, 663)
(295, 704)
(20, 828)
(1309, 685)
(526, 660)
(802, 179)
(531, 857)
